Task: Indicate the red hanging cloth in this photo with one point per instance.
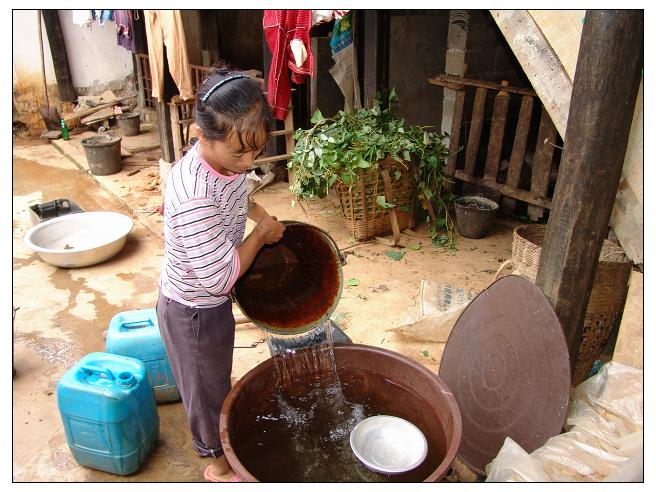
(281, 27)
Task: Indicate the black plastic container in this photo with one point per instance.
(52, 209)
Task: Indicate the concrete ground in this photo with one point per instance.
(63, 312)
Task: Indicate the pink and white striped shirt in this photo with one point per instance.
(204, 221)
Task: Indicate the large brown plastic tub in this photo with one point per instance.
(403, 387)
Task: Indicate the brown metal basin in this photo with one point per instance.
(399, 385)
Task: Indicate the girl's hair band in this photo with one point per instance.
(220, 83)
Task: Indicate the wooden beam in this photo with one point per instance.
(272, 143)
(314, 45)
(523, 195)
(474, 139)
(141, 99)
(273, 158)
(165, 131)
(542, 162)
(78, 115)
(538, 60)
(518, 152)
(376, 55)
(454, 81)
(497, 130)
(454, 134)
(595, 143)
(59, 56)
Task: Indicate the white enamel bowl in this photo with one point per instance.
(389, 445)
(81, 239)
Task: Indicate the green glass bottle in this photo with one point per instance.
(64, 129)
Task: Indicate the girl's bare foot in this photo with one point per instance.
(219, 471)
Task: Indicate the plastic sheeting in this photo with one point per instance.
(603, 439)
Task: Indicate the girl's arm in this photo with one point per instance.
(256, 211)
(267, 231)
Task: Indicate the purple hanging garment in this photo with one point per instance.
(124, 29)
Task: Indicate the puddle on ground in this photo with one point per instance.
(28, 177)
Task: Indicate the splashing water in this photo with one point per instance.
(304, 435)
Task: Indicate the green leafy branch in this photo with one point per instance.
(335, 150)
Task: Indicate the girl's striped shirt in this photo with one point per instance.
(204, 221)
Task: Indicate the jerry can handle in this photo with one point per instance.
(142, 323)
(100, 370)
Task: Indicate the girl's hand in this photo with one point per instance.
(269, 229)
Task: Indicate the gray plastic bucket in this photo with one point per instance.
(103, 154)
(129, 123)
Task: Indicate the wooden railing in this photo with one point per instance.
(198, 74)
(182, 113)
(470, 169)
(145, 82)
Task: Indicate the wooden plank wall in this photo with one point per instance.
(550, 39)
(537, 194)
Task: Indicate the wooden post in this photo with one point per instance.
(454, 135)
(165, 131)
(314, 45)
(271, 147)
(289, 129)
(475, 131)
(518, 151)
(140, 81)
(597, 133)
(209, 37)
(376, 55)
(59, 56)
(542, 162)
(497, 130)
(176, 133)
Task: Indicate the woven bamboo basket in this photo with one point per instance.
(365, 219)
(606, 299)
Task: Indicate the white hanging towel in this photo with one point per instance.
(82, 18)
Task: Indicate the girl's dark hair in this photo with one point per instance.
(237, 104)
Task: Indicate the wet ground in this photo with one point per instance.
(63, 312)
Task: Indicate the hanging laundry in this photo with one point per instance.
(125, 35)
(107, 15)
(101, 16)
(281, 28)
(164, 28)
(323, 16)
(139, 32)
(345, 70)
(82, 18)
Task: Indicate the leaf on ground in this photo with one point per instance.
(353, 282)
(395, 255)
(424, 353)
(416, 247)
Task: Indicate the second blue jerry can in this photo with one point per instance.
(136, 334)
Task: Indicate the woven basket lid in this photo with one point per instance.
(507, 363)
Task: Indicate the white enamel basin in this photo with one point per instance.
(81, 239)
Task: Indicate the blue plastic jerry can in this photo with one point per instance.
(109, 412)
(136, 334)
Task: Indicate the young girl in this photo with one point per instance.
(205, 210)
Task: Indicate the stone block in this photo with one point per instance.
(457, 37)
(455, 60)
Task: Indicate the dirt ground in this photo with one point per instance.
(63, 312)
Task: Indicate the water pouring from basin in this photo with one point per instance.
(290, 418)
